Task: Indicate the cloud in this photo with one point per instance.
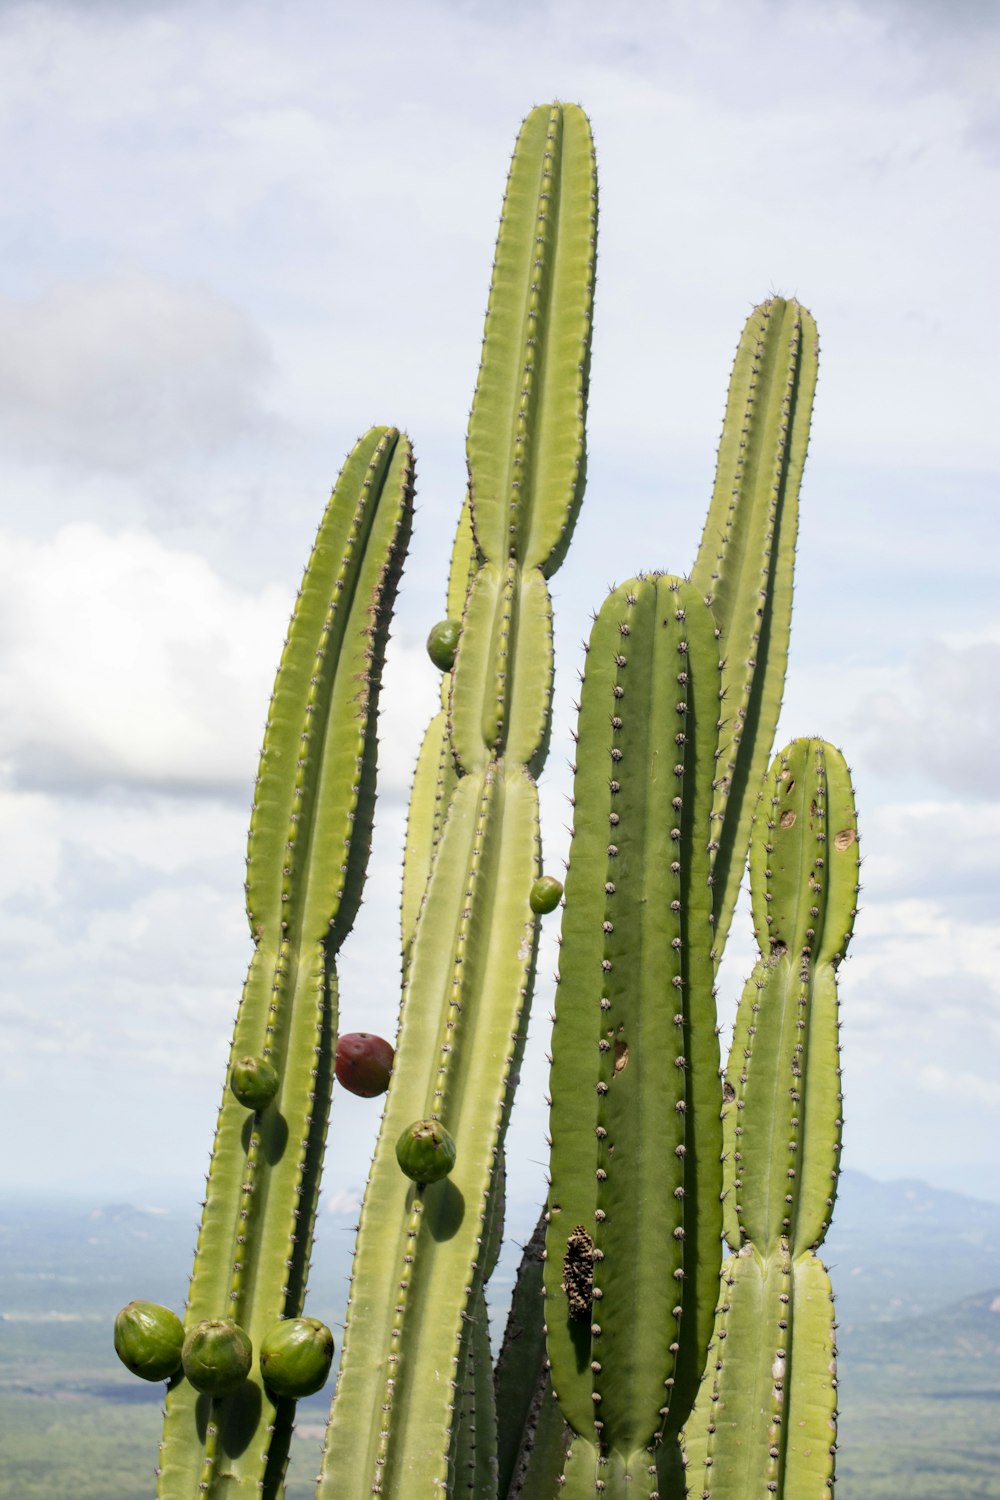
(935, 717)
(125, 661)
(128, 372)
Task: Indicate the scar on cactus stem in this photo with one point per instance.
(254, 1082)
(546, 893)
(364, 1063)
(148, 1340)
(217, 1356)
(578, 1273)
(426, 1152)
(442, 643)
(295, 1357)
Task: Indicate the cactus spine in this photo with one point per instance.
(469, 933)
(766, 1417)
(308, 846)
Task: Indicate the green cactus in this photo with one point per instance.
(745, 565)
(469, 934)
(766, 1416)
(635, 1215)
(597, 1377)
(309, 837)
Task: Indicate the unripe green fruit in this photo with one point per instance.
(254, 1082)
(442, 643)
(425, 1151)
(148, 1340)
(295, 1356)
(364, 1062)
(217, 1356)
(546, 893)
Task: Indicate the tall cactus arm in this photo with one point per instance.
(783, 1112)
(765, 1422)
(309, 837)
(767, 1412)
(526, 444)
(419, 1263)
(745, 564)
(475, 947)
(634, 1208)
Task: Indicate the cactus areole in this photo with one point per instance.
(148, 1340)
(442, 643)
(364, 1063)
(425, 1151)
(217, 1356)
(295, 1357)
(254, 1082)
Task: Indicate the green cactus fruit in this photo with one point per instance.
(148, 1340)
(217, 1355)
(364, 1062)
(442, 643)
(425, 1151)
(254, 1082)
(295, 1357)
(546, 893)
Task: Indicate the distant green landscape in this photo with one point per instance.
(917, 1273)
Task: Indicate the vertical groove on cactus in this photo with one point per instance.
(634, 1203)
(309, 837)
(746, 560)
(470, 962)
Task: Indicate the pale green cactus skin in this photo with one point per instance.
(745, 565)
(308, 846)
(765, 1420)
(469, 935)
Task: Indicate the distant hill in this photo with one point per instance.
(916, 1270)
(900, 1249)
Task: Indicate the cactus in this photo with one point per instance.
(754, 1427)
(308, 845)
(597, 1378)
(469, 934)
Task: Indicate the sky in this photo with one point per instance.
(235, 236)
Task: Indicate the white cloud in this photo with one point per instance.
(128, 372)
(935, 717)
(126, 661)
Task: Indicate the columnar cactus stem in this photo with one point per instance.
(469, 934)
(634, 1206)
(745, 563)
(767, 1412)
(308, 846)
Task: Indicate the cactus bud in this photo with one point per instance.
(425, 1151)
(364, 1062)
(148, 1340)
(295, 1356)
(546, 893)
(217, 1355)
(442, 643)
(254, 1082)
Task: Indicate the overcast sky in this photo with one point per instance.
(237, 234)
